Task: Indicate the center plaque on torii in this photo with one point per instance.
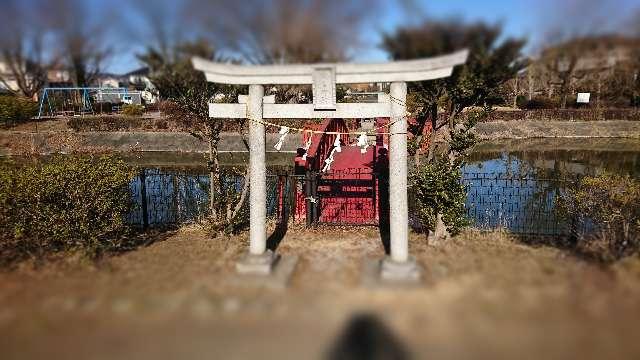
(256, 107)
(324, 88)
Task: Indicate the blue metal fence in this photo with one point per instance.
(523, 205)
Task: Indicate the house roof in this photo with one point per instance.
(139, 72)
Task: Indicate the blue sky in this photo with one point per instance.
(520, 18)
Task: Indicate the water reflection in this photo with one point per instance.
(554, 158)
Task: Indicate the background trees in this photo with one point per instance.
(287, 31)
(41, 35)
(477, 83)
(24, 67)
(84, 48)
(453, 105)
(188, 95)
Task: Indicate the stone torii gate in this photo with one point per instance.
(323, 78)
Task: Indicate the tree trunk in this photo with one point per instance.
(214, 176)
(433, 111)
(530, 83)
(243, 196)
(440, 233)
(515, 95)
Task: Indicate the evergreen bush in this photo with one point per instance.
(133, 110)
(605, 211)
(436, 188)
(67, 203)
(14, 109)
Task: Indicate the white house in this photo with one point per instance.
(8, 83)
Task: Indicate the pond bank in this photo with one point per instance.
(557, 129)
(18, 142)
(46, 142)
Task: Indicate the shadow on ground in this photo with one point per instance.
(367, 337)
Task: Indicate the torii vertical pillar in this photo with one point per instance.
(258, 173)
(398, 266)
(259, 260)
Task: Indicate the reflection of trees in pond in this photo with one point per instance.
(566, 162)
(539, 210)
(519, 204)
(169, 197)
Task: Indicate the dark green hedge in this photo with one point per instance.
(66, 203)
(565, 115)
(15, 109)
(436, 189)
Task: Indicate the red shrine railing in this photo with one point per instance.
(354, 190)
(322, 143)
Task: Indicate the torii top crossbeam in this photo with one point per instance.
(345, 73)
(324, 78)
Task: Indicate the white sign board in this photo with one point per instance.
(583, 98)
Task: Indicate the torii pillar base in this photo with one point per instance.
(389, 274)
(267, 270)
(406, 272)
(261, 264)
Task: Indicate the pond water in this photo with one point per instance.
(556, 158)
(511, 184)
(514, 184)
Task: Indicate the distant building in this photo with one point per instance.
(9, 83)
(107, 80)
(58, 76)
(139, 80)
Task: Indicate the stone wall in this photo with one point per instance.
(14, 142)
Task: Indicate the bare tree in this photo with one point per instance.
(189, 95)
(286, 31)
(574, 31)
(21, 51)
(164, 27)
(82, 42)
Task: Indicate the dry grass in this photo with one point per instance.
(485, 295)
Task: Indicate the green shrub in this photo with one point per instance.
(436, 188)
(133, 110)
(103, 107)
(15, 109)
(67, 203)
(605, 211)
(521, 101)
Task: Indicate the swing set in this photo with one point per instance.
(70, 101)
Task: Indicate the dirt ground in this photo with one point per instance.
(484, 296)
